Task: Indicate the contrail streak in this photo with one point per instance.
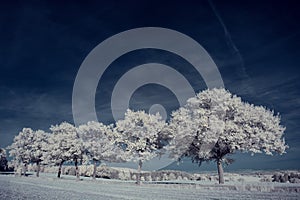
(227, 34)
(231, 44)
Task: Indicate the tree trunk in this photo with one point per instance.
(20, 169)
(25, 169)
(138, 177)
(59, 169)
(76, 169)
(220, 172)
(38, 164)
(95, 169)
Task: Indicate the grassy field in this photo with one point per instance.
(49, 187)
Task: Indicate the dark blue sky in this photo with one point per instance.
(44, 43)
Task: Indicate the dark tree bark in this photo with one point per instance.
(138, 177)
(59, 169)
(76, 169)
(38, 164)
(220, 172)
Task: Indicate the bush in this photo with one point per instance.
(3, 164)
(292, 177)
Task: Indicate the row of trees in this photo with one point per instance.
(134, 138)
(210, 126)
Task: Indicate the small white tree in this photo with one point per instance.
(140, 132)
(216, 123)
(100, 143)
(21, 149)
(64, 146)
(2, 152)
(3, 160)
(28, 147)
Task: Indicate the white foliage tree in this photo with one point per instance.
(28, 147)
(64, 146)
(2, 152)
(20, 149)
(3, 160)
(140, 133)
(39, 142)
(100, 143)
(216, 123)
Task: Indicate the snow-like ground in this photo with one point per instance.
(49, 187)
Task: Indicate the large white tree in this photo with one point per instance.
(140, 132)
(216, 123)
(100, 143)
(64, 145)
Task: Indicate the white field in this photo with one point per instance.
(50, 187)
